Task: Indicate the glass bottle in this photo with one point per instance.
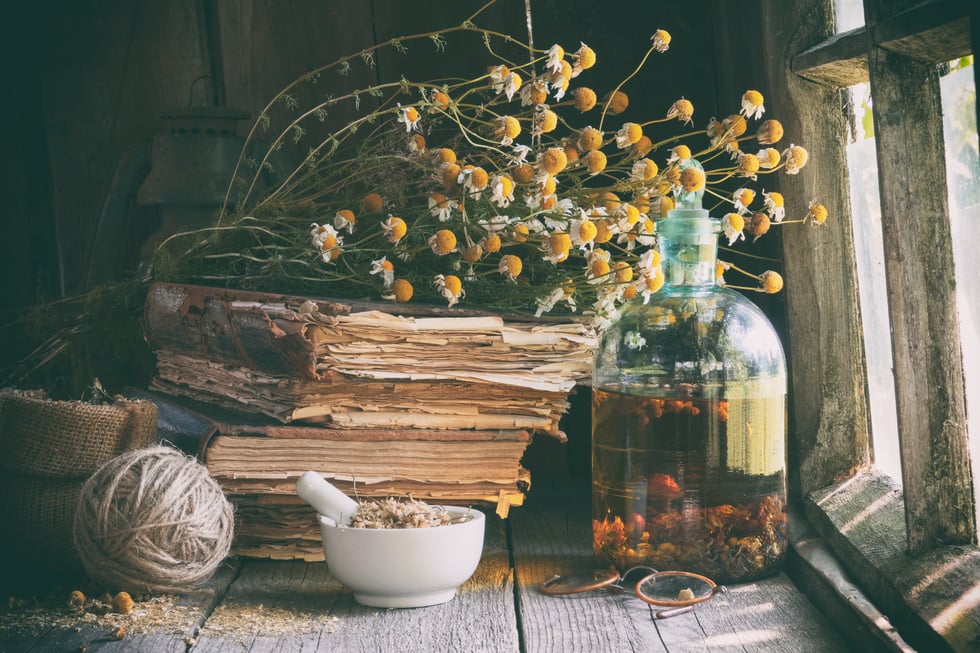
(689, 422)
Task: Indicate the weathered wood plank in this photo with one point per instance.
(838, 62)
(480, 618)
(552, 535)
(829, 432)
(929, 385)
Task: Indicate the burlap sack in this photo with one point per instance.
(37, 516)
(69, 439)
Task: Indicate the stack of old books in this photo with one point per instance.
(440, 404)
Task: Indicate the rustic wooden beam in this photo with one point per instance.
(935, 31)
(928, 363)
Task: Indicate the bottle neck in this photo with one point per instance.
(688, 241)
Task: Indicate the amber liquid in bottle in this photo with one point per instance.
(691, 480)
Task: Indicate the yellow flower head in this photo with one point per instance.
(604, 231)
(402, 290)
(450, 287)
(439, 100)
(598, 264)
(628, 134)
(595, 161)
(742, 198)
(590, 139)
(734, 125)
(775, 205)
(372, 203)
(617, 102)
(443, 155)
(768, 158)
(443, 242)
(409, 116)
(818, 212)
(545, 120)
(679, 153)
(752, 106)
(748, 165)
(416, 144)
(683, 110)
(535, 93)
(512, 84)
(585, 99)
(643, 146)
(584, 59)
(667, 205)
(770, 132)
(623, 273)
(552, 160)
(732, 225)
(692, 179)
(344, 219)
(395, 228)
(770, 282)
(582, 232)
(520, 232)
(651, 284)
(558, 247)
(510, 266)
(796, 157)
(556, 55)
(643, 170)
(491, 244)
(502, 191)
(571, 152)
(450, 174)
(506, 129)
(660, 40)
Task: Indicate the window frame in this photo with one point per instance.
(914, 551)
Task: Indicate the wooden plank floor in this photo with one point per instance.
(289, 606)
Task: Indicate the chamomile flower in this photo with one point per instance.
(492, 243)
(643, 170)
(510, 266)
(443, 242)
(598, 265)
(817, 213)
(768, 158)
(497, 75)
(589, 139)
(679, 154)
(474, 178)
(438, 100)
(732, 225)
(344, 219)
(683, 110)
(319, 234)
(441, 206)
(752, 104)
(582, 233)
(506, 129)
(692, 179)
(770, 282)
(545, 120)
(628, 134)
(770, 132)
(557, 247)
(502, 191)
(748, 165)
(402, 291)
(642, 147)
(622, 272)
(759, 225)
(385, 269)
(409, 116)
(556, 55)
(585, 99)
(660, 40)
(394, 228)
(534, 93)
(648, 285)
(450, 287)
(617, 102)
(742, 198)
(372, 203)
(595, 161)
(775, 205)
(549, 301)
(649, 263)
(519, 154)
(512, 84)
(796, 157)
(552, 161)
(584, 59)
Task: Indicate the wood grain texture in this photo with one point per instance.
(767, 615)
(921, 287)
(826, 350)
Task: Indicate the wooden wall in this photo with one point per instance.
(86, 83)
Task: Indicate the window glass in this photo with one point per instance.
(850, 14)
(866, 211)
(959, 98)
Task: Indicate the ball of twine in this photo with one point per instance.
(152, 519)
